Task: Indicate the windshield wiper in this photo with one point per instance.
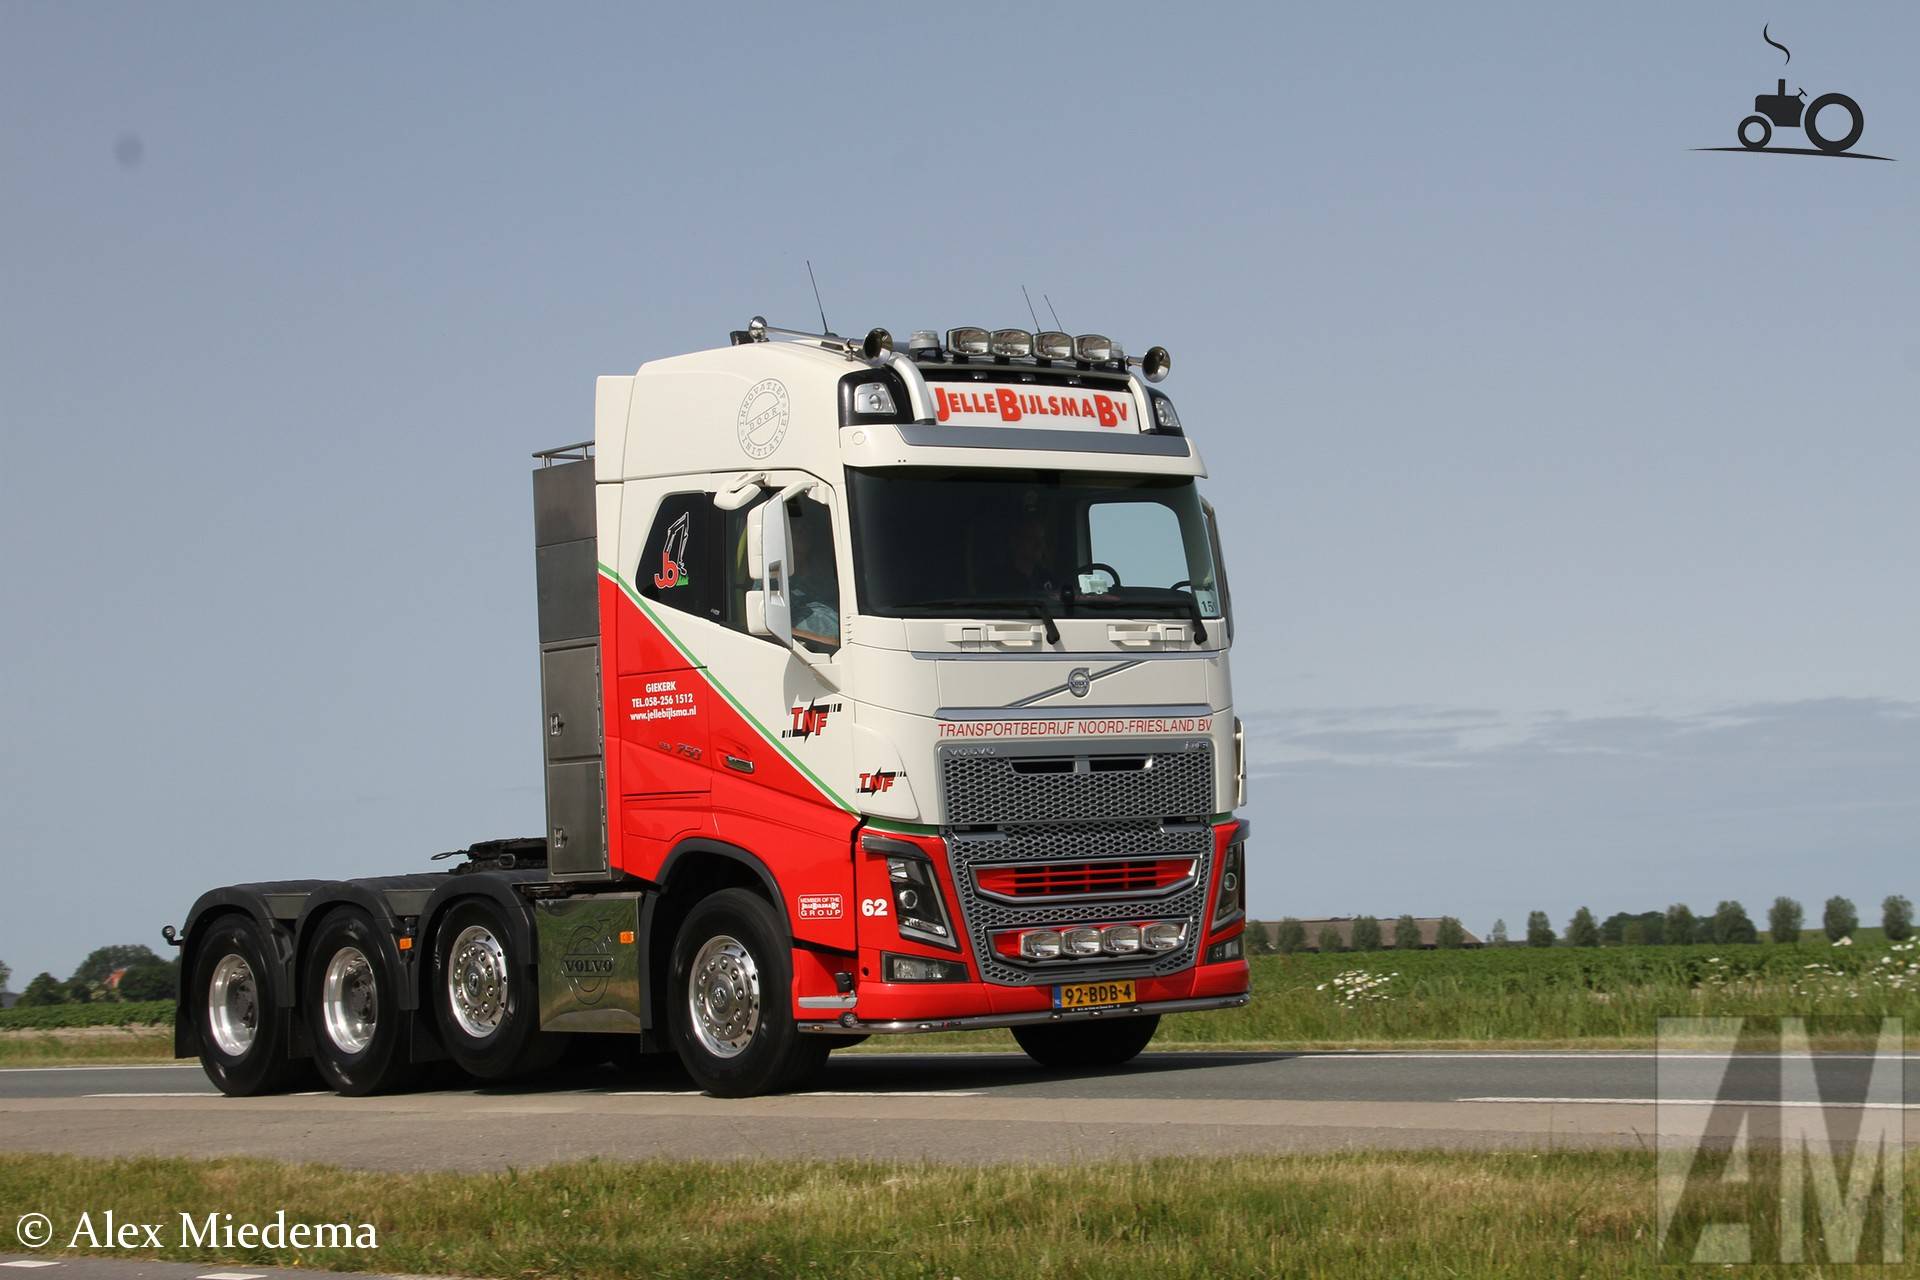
(1185, 601)
(1033, 606)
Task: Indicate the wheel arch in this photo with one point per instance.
(693, 869)
(249, 903)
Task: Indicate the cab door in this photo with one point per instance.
(782, 748)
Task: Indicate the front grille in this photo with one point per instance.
(982, 916)
(1103, 877)
(995, 787)
(1039, 839)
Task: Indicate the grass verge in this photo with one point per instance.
(85, 1046)
(1358, 1214)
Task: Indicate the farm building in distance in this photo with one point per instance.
(1343, 925)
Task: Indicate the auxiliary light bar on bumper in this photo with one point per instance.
(849, 1025)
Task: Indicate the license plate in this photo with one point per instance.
(1093, 995)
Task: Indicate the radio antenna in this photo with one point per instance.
(1030, 310)
(824, 326)
(1052, 312)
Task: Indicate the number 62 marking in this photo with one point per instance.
(873, 906)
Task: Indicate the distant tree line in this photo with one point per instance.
(143, 976)
(1366, 934)
(1728, 923)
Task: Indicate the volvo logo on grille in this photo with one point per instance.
(1079, 680)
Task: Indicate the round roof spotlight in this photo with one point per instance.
(878, 343)
(757, 329)
(1094, 348)
(1051, 344)
(1012, 343)
(1156, 364)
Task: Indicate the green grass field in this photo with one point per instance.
(1606, 996)
(99, 1013)
(1352, 1215)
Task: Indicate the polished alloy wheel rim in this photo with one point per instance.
(233, 1006)
(349, 1000)
(477, 981)
(723, 995)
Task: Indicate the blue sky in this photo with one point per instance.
(1568, 472)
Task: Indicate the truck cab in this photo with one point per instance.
(883, 691)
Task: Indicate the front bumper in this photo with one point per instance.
(850, 1025)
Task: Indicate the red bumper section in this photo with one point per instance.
(878, 1005)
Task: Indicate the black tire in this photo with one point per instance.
(1810, 122)
(1766, 132)
(495, 1034)
(771, 1054)
(244, 1041)
(1101, 1042)
(352, 1058)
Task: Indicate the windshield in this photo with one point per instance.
(997, 544)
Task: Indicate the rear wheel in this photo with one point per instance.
(1100, 1043)
(486, 1002)
(236, 1007)
(352, 1004)
(732, 1021)
(1856, 122)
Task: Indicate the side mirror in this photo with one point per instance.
(769, 560)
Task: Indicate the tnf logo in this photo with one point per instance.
(1772, 1152)
(810, 719)
(879, 782)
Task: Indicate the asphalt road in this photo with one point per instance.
(972, 1108)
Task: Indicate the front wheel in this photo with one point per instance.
(1754, 141)
(1100, 1043)
(1856, 122)
(731, 1013)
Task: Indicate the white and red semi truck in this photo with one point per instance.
(883, 692)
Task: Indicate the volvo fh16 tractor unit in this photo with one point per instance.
(882, 691)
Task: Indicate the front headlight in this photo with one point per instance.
(1232, 902)
(919, 913)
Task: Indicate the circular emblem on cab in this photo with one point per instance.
(762, 422)
(1079, 680)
